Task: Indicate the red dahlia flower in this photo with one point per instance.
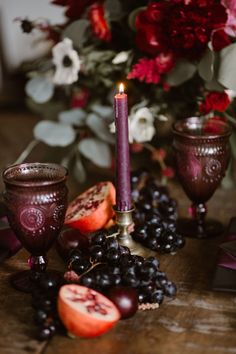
(215, 101)
(98, 22)
(150, 70)
(75, 8)
(183, 27)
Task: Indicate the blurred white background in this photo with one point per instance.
(18, 46)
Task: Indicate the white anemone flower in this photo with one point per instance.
(67, 63)
(141, 126)
(120, 58)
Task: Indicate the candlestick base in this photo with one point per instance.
(124, 221)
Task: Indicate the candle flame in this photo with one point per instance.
(121, 88)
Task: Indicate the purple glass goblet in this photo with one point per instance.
(36, 199)
(202, 152)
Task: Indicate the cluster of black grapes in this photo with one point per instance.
(108, 264)
(44, 301)
(155, 215)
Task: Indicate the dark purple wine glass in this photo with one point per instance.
(202, 152)
(36, 199)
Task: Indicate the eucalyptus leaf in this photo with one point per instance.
(54, 134)
(96, 151)
(79, 170)
(206, 66)
(214, 85)
(40, 89)
(228, 180)
(100, 56)
(73, 117)
(226, 71)
(100, 128)
(68, 158)
(114, 9)
(230, 118)
(105, 112)
(183, 71)
(78, 32)
(48, 110)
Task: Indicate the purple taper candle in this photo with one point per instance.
(123, 187)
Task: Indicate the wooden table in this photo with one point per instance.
(197, 321)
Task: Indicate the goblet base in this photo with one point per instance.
(190, 228)
(22, 281)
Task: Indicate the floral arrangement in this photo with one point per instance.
(176, 57)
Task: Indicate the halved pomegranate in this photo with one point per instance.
(91, 210)
(85, 312)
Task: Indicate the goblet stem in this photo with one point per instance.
(199, 212)
(38, 265)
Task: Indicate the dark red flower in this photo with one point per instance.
(215, 101)
(52, 32)
(98, 22)
(75, 8)
(168, 172)
(136, 147)
(183, 27)
(149, 23)
(145, 70)
(158, 154)
(220, 40)
(150, 70)
(80, 98)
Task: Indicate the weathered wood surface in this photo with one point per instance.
(198, 321)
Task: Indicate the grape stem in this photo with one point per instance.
(113, 235)
(94, 264)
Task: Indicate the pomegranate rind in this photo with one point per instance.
(98, 216)
(77, 320)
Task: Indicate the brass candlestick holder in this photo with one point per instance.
(124, 221)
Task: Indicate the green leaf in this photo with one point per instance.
(100, 128)
(105, 112)
(48, 110)
(73, 117)
(230, 118)
(114, 10)
(40, 89)
(54, 134)
(78, 32)
(206, 66)
(182, 72)
(226, 71)
(96, 151)
(214, 85)
(228, 181)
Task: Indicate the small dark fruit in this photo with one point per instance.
(70, 239)
(125, 299)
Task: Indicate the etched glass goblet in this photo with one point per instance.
(36, 199)
(202, 152)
